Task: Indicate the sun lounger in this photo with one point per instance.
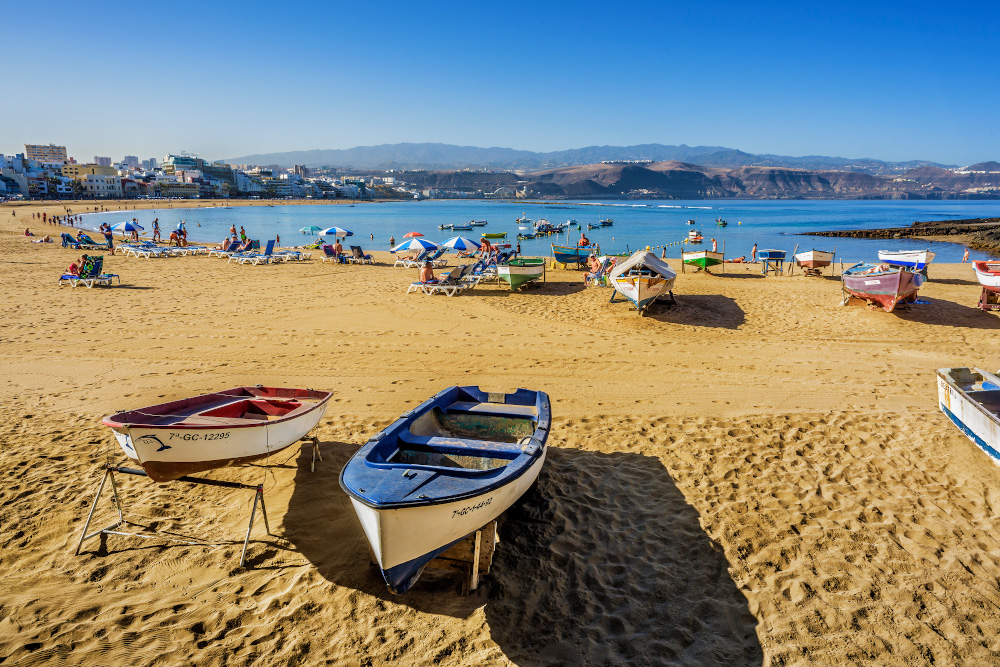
(451, 284)
(292, 255)
(254, 248)
(358, 256)
(225, 252)
(330, 256)
(91, 275)
(69, 242)
(410, 261)
(594, 279)
(257, 258)
(434, 257)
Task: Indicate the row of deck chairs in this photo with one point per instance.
(148, 249)
(432, 256)
(357, 256)
(463, 277)
(254, 256)
(82, 242)
(91, 274)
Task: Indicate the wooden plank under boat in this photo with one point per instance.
(521, 270)
(443, 470)
(881, 284)
(216, 430)
(971, 400)
(642, 279)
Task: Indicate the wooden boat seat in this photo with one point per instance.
(462, 446)
(988, 398)
(502, 409)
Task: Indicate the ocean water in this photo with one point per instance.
(658, 224)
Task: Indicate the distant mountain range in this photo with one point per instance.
(446, 156)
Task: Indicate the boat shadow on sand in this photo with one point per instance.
(603, 561)
(698, 310)
(948, 314)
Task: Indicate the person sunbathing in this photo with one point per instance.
(427, 273)
(76, 267)
(245, 246)
(27, 232)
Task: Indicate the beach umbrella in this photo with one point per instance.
(336, 231)
(127, 226)
(460, 243)
(311, 229)
(412, 235)
(416, 244)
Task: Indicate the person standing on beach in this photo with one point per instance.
(753, 253)
(156, 230)
(232, 229)
(965, 257)
(715, 246)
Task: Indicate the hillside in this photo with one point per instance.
(436, 156)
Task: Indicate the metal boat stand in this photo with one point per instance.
(109, 473)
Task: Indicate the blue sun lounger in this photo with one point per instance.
(91, 275)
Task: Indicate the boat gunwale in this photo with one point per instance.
(994, 417)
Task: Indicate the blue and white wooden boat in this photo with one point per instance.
(442, 471)
(971, 399)
(571, 254)
(911, 259)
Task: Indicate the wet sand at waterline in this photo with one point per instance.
(756, 476)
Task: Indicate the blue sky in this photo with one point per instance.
(894, 81)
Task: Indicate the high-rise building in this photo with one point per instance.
(152, 163)
(45, 154)
(301, 170)
(102, 161)
(131, 160)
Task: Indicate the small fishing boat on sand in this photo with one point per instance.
(881, 284)
(703, 259)
(988, 275)
(571, 255)
(442, 471)
(971, 400)
(217, 430)
(521, 270)
(910, 259)
(642, 279)
(813, 260)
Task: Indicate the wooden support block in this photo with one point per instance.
(472, 556)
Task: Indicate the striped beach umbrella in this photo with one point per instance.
(127, 226)
(460, 243)
(336, 231)
(416, 244)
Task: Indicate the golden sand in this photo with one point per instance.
(756, 476)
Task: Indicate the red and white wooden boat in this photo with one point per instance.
(814, 259)
(216, 430)
(988, 275)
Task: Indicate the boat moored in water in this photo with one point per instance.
(572, 255)
(217, 430)
(442, 471)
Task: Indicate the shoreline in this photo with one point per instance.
(982, 234)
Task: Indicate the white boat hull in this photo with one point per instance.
(814, 259)
(642, 290)
(974, 419)
(400, 535)
(989, 278)
(916, 259)
(171, 450)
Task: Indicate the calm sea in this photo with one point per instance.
(769, 224)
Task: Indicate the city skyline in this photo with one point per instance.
(892, 82)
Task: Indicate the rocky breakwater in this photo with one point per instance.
(977, 233)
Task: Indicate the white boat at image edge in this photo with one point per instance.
(971, 400)
(443, 471)
(912, 259)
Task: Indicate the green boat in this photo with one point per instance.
(495, 235)
(521, 270)
(702, 258)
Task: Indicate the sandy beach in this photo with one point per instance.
(755, 476)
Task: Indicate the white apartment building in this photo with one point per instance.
(101, 186)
